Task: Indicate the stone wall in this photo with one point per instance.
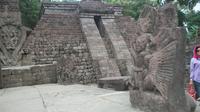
(60, 8)
(58, 37)
(28, 75)
(94, 6)
(12, 32)
(10, 9)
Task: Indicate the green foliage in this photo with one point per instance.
(189, 3)
(193, 24)
(30, 12)
(181, 18)
(193, 18)
(185, 13)
(69, 0)
(132, 7)
(189, 17)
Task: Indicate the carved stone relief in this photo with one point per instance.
(12, 38)
(12, 33)
(158, 81)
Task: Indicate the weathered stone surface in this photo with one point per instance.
(28, 75)
(10, 11)
(95, 6)
(12, 33)
(118, 83)
(157, 46)
(57, 37)
(107, 66)
(64, 98)
(109, 49)
(92, 48)
(60, 8)
(119, 45)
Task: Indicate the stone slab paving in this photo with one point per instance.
(198, 107)
(60, 98)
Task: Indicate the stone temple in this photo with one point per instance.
(92, 42)
(76, 40)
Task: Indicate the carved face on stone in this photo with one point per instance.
(10, 36)
(146, 25)
(140, 43)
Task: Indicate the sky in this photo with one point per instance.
(197, 7)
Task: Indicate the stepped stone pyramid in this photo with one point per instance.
(89, 42)
(82, 40)
(85, 34)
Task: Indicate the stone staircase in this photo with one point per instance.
(57, 37)
(54, 34)
(118, 42)
(112, 70)
(108, 67)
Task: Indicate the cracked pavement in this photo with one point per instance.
(60, 98)
(65, 98)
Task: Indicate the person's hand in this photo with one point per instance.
(191, 82)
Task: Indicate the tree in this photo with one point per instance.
(69, 0)
(30, 12)
(132, 7)
(193, 24)
(188, 17)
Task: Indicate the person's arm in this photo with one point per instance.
(192, 64)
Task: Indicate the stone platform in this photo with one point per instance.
(28, 75)
(59, 98)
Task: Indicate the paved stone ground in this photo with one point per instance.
(198, 107)
(60, 98)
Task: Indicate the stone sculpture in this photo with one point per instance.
(73, 39)
(66, 69)
(12, 33)
(158, 81)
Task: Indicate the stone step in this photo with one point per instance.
(118, 83)
(95, 42)
(117, 40)
(108, 67)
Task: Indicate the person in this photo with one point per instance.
(195, 71)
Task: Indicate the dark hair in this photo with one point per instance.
(197, 48)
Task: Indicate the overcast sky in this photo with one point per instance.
(197, 7)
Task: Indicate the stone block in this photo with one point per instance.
(28, 75)
(117, 83)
